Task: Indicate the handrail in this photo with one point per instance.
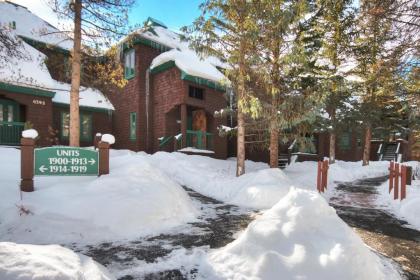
(164, 140)
(380, 149)
(13, 123)
(397, 151)
(292, 145)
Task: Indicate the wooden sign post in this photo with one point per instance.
(61, 161)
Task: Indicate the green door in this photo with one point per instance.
(10, 127)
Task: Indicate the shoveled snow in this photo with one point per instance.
(301, 237)
(109, 138)
(135, 199)
(407, 209)
(30, 133)
(47, 262)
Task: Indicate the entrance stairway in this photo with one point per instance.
(389, 152)
(283, 160)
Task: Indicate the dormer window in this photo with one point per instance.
(129, 64)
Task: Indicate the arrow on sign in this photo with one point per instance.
(43, 168)
(92, 161)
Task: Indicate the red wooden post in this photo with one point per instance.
(103, 157)
(325, 176)
(318, 177)
(396, 180)
(403, 181)
(27, 164)
(391, 175)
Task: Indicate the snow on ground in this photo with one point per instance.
(26, 262)
(134, 200)
(407, 209)
(301, 237)
(260, 187)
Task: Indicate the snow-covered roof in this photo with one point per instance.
(30, 71)
(31, 26)
(185, 58)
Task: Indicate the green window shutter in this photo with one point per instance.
(86, 127)
(65, 125)
(133, 126)
(129, 64)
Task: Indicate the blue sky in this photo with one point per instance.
(174, 13)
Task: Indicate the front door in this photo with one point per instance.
(10, 127)
(199, 124)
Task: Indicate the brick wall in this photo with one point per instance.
(38, 113)
(132, 99)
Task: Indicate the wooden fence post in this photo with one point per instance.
(318, 177)
(403, 181)
(27, 164)
(391, 176)
(325, 175)
(103, 158)
(409, 174)
(396, 180)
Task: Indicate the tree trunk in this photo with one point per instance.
(366, 150)
(240, 164)
(274, 144)
(75, 76)
(332, 147)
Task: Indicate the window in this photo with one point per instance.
(195, 92)
(133, 125)
(129, 64)
(85, 126)
(345, 141)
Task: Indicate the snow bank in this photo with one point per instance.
(407, 209)
(30, 133)
(258, 188)
(25, 262)
(301, 237)
(135, 199)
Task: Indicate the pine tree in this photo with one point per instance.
(335, 22)
(226, 30)
(384, 38)
(98, 23)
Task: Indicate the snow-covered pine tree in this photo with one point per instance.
(225, 29)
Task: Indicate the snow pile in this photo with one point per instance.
(407, 209)
(109, 138)
(30, 133)
(301, 237)
(135, 199)
(25, 262)
(259, 188)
